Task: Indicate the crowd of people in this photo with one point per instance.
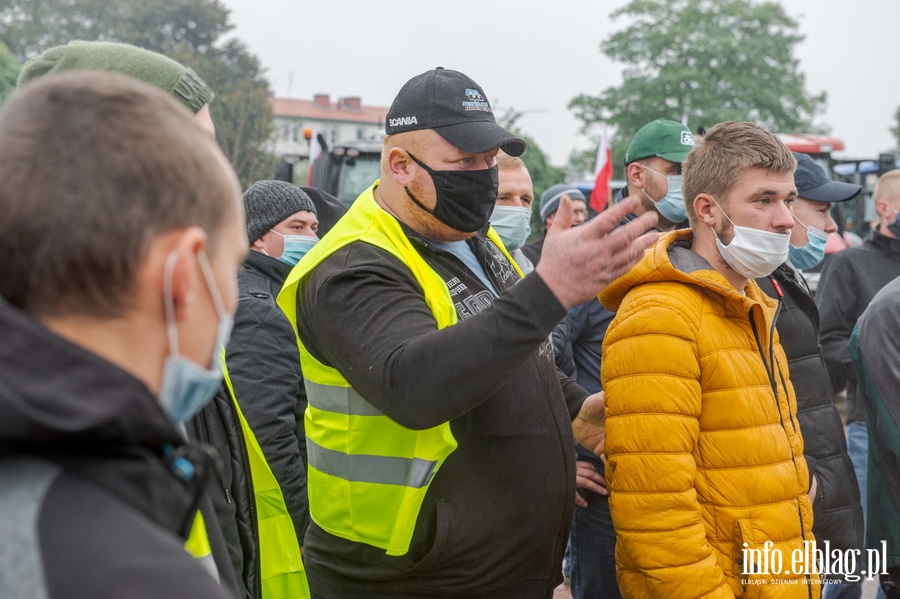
(205, 394)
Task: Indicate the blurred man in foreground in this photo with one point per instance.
(111, 332)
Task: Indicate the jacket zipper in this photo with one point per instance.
(546, 392)
(772, 360)
(774, 384)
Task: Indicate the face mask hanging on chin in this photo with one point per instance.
(186, 386)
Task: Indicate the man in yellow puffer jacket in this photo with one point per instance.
(708, 483)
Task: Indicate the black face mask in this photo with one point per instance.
(465, 199)
(894, 227)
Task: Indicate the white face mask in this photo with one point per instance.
(753, 253)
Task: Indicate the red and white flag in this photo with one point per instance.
(315, 150)
(602, 174)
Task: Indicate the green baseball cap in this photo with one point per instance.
(666, 139)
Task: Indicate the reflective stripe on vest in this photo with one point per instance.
(368, 475)
(280, 562)
(197, 545)
(367, 464)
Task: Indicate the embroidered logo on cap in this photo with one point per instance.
(686, 138)
(475, 101)
(474, 95)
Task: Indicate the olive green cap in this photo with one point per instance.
(155, 69)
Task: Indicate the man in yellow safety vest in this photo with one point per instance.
(439, 431)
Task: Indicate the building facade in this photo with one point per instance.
(298, 122)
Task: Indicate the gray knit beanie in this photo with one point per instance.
(267, 203)
(550, 198)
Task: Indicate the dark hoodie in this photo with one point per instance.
(89, 505)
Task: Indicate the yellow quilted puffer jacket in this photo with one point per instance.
(705, 458)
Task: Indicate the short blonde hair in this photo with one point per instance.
(720, 157)
(888, 185)
(505, 162)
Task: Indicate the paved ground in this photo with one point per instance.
(869, 589)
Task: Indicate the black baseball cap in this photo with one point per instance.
(813, 184)
(455, 107)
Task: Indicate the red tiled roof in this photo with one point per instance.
(308, 109)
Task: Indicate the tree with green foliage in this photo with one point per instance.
(31, 26)
(9, 71)
(704, 60)
(241, 109)
(188, 31)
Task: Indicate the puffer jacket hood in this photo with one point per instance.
(670, 260)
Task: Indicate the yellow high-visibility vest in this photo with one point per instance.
(280, 563)
(197, 545)
(368, 475)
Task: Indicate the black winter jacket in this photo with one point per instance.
(89, 504)
(264, 367)
(837, 509)
(850, 279)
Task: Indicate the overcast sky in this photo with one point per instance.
(535, 56)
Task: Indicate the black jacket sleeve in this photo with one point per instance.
(416, 374)
(264, 367)
(836, 299)
(562, 347)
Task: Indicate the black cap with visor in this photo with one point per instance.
(455, 107)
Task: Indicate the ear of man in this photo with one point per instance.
(703, 208)
(398, 165)
(183, 246)
(633, 175)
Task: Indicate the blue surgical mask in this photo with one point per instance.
(513, 225)
(186, 386)
(295, 247)
(813, 252)
(671, 206)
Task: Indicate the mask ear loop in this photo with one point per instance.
(725, 214)
(211, 283)
(169, 302)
